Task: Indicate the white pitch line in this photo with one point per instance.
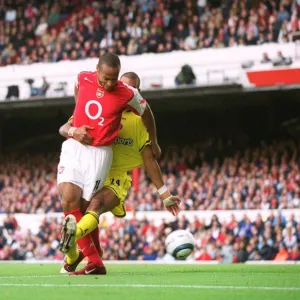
(32, 276)
(179, 286)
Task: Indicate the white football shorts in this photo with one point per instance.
(84, 166)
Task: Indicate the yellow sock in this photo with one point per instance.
(87, 224)
(72, 254)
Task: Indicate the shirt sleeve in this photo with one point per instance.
(137, 104)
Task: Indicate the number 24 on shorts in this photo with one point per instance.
(113, 181)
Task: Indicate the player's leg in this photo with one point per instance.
(110, 198)
(71, 203)
(77, 159)
(70, 195)
(87, 247)
(114, 192)
(70, 184)
(67, 268)
(95, 233)
(105, 200)
(98, 169)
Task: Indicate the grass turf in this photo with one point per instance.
(167, 282)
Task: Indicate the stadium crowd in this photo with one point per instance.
(208, 176)
(273, 238)
(51, 31)
(17, 245)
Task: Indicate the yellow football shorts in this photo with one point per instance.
(119, 182)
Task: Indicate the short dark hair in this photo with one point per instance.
(109, 59)
(134, 76)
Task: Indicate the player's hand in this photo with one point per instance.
(172, 205)
(156, 150)
(81, 135)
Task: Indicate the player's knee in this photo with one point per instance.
(115, 201)
(70, 203)
(103, 201)
(107, 205)
(96, 205)
(70, 195)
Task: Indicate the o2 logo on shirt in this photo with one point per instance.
(98, 113)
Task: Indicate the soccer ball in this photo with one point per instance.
(180, 244)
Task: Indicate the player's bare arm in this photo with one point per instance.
(153, 170)
(133, 80)
(79, 134)
(149, 121)
(63, 130)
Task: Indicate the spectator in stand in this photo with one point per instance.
(290, 240)
(201, 6)
(282, 15)
(294, 254)
(54, 15)
(282, 254)
(42, 27)
(10, 223)
(266, 59)
(190, 43)
(40, 91)
(280, 58)
(8, 53)
(204, 255)
(251, 40)
(11, 14)
(185, 76)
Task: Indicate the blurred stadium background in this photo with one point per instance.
(222, 78)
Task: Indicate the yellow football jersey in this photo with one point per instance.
(130, 142)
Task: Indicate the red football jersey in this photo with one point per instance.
(102, 109)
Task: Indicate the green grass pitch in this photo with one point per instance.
(152, 281)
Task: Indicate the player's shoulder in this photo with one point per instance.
(122, 88)
(125, 85)
(88, 74)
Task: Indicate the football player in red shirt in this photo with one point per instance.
(100, 100)
(109, 197)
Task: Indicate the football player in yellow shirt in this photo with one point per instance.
(131, 150)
